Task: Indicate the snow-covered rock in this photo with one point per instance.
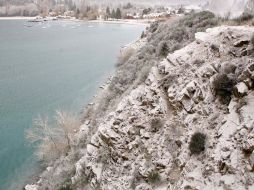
(186, 105)
(129, 151)
(31, 187)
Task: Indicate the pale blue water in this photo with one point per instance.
(58, 65)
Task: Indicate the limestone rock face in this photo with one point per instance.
(143, 144)
(231, 8)
(186, 104)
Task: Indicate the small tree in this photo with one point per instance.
(118, 14)
(113, 14)
(108, 11)
(181, 10)
(146, 11)
(153, 177)
(143, 35)
(77, 13)
(54, 138)
(164, 50)
(125, 55)
(223, 87)
(197, 143)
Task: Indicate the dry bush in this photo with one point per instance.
(163, 49)
(156, 124)
(67, 185)
(153, 177)
(104, 155)
(125, 55)
(54, 139)
(223, 88)
(252, 40)
(197, 143)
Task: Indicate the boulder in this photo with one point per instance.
(240, 90)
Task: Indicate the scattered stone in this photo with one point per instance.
(240, 90)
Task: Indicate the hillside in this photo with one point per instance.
(183, 121)
(231, 8)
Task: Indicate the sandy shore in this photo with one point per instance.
(123, 21)
(17, 18)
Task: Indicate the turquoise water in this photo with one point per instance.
(55, 65)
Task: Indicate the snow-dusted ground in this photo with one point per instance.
(179, 92)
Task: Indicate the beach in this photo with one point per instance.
(120, 21)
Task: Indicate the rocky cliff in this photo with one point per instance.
(231, 8)
(146, 142)
(150, 130)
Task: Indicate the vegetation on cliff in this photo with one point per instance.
(132, 70)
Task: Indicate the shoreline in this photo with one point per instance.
(120, 21)
(124, 21)
(34, 180)
(17, 18)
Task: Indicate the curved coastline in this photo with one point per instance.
(138, 28)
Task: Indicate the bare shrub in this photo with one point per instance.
(142, 75)
(154, 26)
(223, 87)
(54, 138)
(164, 50)
(143, 35)
(156, 124)
(104, 155)
(125, 55)
(153, 177)
(178, 34)
(67, 185)
(252, 40)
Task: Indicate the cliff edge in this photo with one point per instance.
(189, 126)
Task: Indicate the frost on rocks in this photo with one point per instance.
(178, 91)
(31, 187)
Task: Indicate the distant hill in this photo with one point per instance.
(16, 2)
(18, 8)
(231, 8)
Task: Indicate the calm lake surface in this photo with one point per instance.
(54, 65)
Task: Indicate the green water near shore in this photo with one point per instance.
(55, 65)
